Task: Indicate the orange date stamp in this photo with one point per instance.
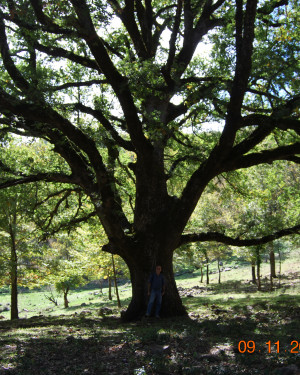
(250, 347)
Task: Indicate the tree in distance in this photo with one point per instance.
(20, 253)
(122, 94)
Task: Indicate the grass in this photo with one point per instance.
(52, 340)
(35, 302)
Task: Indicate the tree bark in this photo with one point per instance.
(272, 261)
(219, 270)
(258, 262)
(109, 288)
(253, 264)
(271, 282)
(279, 253)
(66, 302)
(115, 281)
(100, 286)
(207, 271)
(14, 313)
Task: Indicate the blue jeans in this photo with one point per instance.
(155, 295)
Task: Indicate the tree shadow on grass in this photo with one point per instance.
(207, 345)
(255, 320)
(87, 346)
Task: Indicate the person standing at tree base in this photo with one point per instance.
(156, 289)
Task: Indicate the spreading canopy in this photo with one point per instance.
(132, 93)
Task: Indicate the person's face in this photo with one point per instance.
(158, 269)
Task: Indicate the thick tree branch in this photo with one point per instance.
(222, 238)
(127, 145)
(257, 136)
(279, 119)
(172, 42)
(145, 16)
(127, 16)
(12, 130)
(193, 35)
(262, 93)
(159, 29)
(175, 111)
(269, 7)
(37, 6)
(62, 134)
(289, 152)
(284, 123)
(203, 92)
(47, 177)
(5, 168)
(215, 165)
(9, 65)
(46, 115)
(68, 151)
(77, 84)
(217, 5)
(49, 26)
(181, 159)
(244, 46)
(61, 52)
(118, 82)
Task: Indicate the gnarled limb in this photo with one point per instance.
(222, 238)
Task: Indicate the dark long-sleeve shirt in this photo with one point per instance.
(157, 281)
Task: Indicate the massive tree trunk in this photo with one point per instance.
(156, 236)
(140, 269)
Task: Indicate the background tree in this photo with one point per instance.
(20, 252)
(68, 264)
(271, 203)
(101, 92)
(90, 237)
(66, 284)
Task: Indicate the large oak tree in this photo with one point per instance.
(102, 79)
